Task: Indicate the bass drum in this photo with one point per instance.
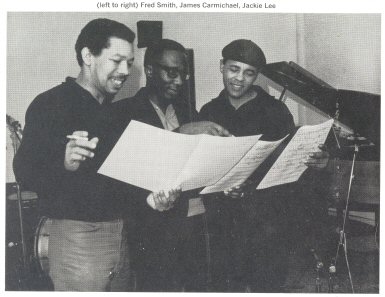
(41, 245)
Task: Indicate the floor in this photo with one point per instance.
(363, 259)
(362, 254)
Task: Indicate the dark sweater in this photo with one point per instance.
(261, 115)
(39, 163)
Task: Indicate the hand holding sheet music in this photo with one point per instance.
(290, 164)
(247, 165)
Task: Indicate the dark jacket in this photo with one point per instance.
(139, 108)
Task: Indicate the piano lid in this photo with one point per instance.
(357, 110)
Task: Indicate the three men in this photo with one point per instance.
(87, 247)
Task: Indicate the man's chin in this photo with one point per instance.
(114, 91)
(235, 95)
(171, 95)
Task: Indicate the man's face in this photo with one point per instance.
(238, 78)
(169, 74)
(111, 68)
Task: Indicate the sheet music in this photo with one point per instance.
(144, 157)
(290, 164)
(213, 158)
(157, 159)
(245, 167)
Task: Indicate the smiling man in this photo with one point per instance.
(251, 233)
(84, 209)
(172, 248)
(242, 107)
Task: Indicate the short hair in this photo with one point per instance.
(96, 34)
(155, 50)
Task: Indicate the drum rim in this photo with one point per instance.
(36, 246)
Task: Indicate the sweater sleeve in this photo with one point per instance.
(40, 157)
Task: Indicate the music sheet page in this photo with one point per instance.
(290, 164)
(245, 167)
(156, 159)
(147, 157)
(213, 158)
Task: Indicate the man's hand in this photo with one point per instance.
(237, 191)
(319, 159)
(78, 150)
(204, 127)
(161, 201)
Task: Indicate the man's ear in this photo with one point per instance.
(148, 70)
(221, 65)
(86, 56)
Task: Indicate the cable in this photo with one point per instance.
(375, 237)
(347, 265)
(208, 250)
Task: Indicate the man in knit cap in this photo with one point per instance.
(251, 232)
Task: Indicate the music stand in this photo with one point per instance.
(15, 130)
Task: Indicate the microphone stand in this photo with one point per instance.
(332, 271)
(318, 268)
(342, 239)
(21, 224)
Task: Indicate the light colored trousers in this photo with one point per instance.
(87, 256)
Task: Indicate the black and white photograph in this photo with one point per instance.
(214, 147)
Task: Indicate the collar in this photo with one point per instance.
(257, 100)
(85, 94)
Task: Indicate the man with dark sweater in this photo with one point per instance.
(251, 233)
(69, 131)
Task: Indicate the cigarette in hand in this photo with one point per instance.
(75, 137)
